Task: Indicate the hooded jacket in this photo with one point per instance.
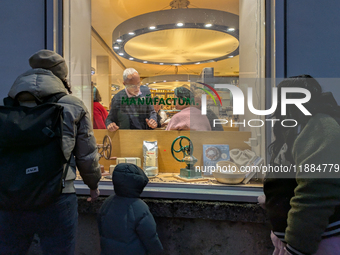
(126, 225)
(78, 139)
(306, 208)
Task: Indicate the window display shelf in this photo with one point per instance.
(241, 193)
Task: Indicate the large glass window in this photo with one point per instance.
(200, 46)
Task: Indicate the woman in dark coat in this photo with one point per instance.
(304, 206)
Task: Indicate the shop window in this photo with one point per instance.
(199, 45)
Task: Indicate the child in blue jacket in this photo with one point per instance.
(126, 225)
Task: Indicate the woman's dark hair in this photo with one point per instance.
(319, 103)
(96, 95)
(67, 86)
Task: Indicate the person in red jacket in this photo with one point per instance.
(99, 112)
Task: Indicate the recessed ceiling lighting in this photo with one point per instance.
(164, 81)
(126, 30)
(119, 40)
(145, 61)
(121, 54)
(131, 58)
(116, 47)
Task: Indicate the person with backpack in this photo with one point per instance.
(303, 205)
(126, 225)
(53, 217)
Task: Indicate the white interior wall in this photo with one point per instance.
(113, 76)
(252, 60)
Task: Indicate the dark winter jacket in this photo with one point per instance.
(306, 208)
(131, 116)
(126, 226)
(78, 138)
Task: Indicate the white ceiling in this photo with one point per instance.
(107, 14)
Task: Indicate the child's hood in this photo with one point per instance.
(129, 180)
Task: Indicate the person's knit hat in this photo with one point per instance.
(50, 60)
(183, 92)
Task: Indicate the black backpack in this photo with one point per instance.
(32, 162)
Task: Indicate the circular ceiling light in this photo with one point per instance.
(170, 78)
(178, 37)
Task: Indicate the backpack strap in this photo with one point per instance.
(54, 98)
(8, 101)
(63, 179)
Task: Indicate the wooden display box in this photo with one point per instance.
(129, 143)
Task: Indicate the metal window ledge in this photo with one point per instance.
(184, 191)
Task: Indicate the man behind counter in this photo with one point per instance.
(133, 116)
